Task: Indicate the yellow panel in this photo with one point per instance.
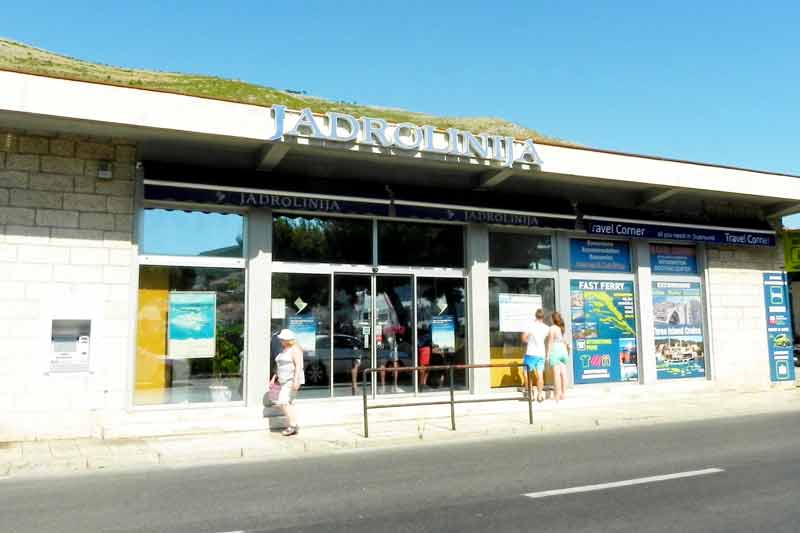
(511, 377)
(151, 342)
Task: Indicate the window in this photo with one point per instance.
(506, 296)
(441, 331)
(424, 245)
(190, 342)
(301, 302)
(515, 250)
(322, 240)
(192, 233)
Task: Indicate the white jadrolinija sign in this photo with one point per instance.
(405, 136)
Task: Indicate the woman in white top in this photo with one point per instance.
(558, 348)
(289, 374)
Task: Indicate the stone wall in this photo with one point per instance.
(736, 294)
(65, 252)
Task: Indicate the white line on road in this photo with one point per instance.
(625, 483)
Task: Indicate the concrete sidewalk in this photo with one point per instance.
(411, 426)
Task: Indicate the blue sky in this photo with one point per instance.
(709, 81)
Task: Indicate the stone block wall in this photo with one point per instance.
(736, 294)
(65, 252)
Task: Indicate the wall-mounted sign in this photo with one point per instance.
(678, 322)
(603, 331)
(791, 250)
(671, 259)
(679, 233)
(192, 324)
(344, 128)
(780, 339)
(517, 311)
(591, 255)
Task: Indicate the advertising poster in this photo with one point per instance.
(599, 256)
(603, 331)
(779, 327)
(517, 311)
(305, 331)
(443, 332)
(192, 324)
(678, 322)
(671, 259)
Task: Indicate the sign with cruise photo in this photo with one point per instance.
(192, 324)
(678, 321)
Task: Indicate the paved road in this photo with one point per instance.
(477, 486)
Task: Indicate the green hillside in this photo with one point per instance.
(23, 58)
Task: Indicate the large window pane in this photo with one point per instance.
(190, 343)
(352, 333)
(506, 346)
(192, 233)
(301, 303)
(514, 250)
(425, 245)
(322, 240)
(441, 331)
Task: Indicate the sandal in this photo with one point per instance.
(291, 430)
(540, 398)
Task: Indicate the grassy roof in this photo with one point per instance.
(27, 59)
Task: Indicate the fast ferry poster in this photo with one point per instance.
(678, 322)
(603, 331)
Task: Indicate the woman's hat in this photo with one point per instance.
(286, 335)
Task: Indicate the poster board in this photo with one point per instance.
(305, 331)
(191, 324)
(443, 332)
(603, 331)
(517, 311)
(780, 339)
(678, 324)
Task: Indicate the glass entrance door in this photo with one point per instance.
(372, 332)
(352, 331)
(394, 333)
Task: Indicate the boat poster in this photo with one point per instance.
(443, 332)
(678, 322)
(191, 324)
(603, 331)
(305, 331)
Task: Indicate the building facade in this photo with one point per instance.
(152, 245)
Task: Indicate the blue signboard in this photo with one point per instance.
(366, 206)
(603, 331)
(591, 255)
(679, 233)
(678, 323)
(780, 340)
(305, 331)
(670, 259)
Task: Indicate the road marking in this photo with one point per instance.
(625, 483)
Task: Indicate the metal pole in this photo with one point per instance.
(452, 401)
(530, 393)
(364, 392)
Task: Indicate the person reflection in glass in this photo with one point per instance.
(391, 358)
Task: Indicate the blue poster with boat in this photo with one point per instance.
(678, 323)
(191, 324)
(443, 332)
(603, 331)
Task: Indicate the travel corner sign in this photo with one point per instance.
(780, 340)
(640, 230)
(404, 136)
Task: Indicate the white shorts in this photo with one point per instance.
(287, 394)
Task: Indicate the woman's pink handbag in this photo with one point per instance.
(272, 394)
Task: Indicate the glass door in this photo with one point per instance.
(352, 331)
(394, 333)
